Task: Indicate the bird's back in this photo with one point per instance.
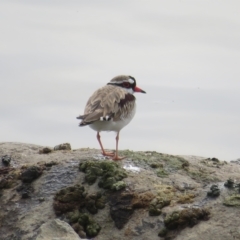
(108, 103)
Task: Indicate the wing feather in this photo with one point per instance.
(108, 101)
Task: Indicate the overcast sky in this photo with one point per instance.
(184, 54)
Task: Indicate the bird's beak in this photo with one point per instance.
(137, 89)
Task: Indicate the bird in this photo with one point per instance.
(111, 108)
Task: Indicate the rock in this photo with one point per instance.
(214, 191)
(6, 159)
(213, 162)
(237, 161)
(184, 188)
(63, 146)
(123, 204)
(232, 201)
(25, 190)
(237, 187)
(57, 229)
(30, 174)
(50, 164)
(45, 150)
(229, 183)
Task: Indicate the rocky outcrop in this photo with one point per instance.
(57, 229)
(59, 193)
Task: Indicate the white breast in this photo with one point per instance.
(111, 125)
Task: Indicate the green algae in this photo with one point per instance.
(161, 173)
(74, 201)
(155, 159)
(171, 220)
(69, 198)
(94, 201)
(156, 205)
(162, 164)
(201, 175)
(110, 174)
(91, 227)
(118, 185)
(232, 201)
(186, 198)
(71, 194)
(75, 197)
(73, 216)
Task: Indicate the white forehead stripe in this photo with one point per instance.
(130, 81)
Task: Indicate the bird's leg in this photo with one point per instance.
(116, 157)
(109, 154)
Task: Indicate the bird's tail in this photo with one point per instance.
(81, 116)
(83, 122)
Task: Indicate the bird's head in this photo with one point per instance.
(127, 82)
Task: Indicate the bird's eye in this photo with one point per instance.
(126, 84)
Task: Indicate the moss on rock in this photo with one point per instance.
(201, 175)
(110, 174)
(214, 191)
(157, 204)
(69, 198)
(184, 218)
(213, 162)
(186, 198)
(90, 227)
(163, 232)
(232, 201)
(31, 173)
(161, 173)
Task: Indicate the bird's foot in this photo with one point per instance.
(108, 154)
(117, 158)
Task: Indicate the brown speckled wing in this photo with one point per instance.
(108, 102)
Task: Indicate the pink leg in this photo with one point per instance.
(116, 157)
(109, 154)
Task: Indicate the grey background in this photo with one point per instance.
(184, 54)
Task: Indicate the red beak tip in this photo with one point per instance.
(137, 89)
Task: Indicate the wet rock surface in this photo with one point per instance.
(148, 195)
